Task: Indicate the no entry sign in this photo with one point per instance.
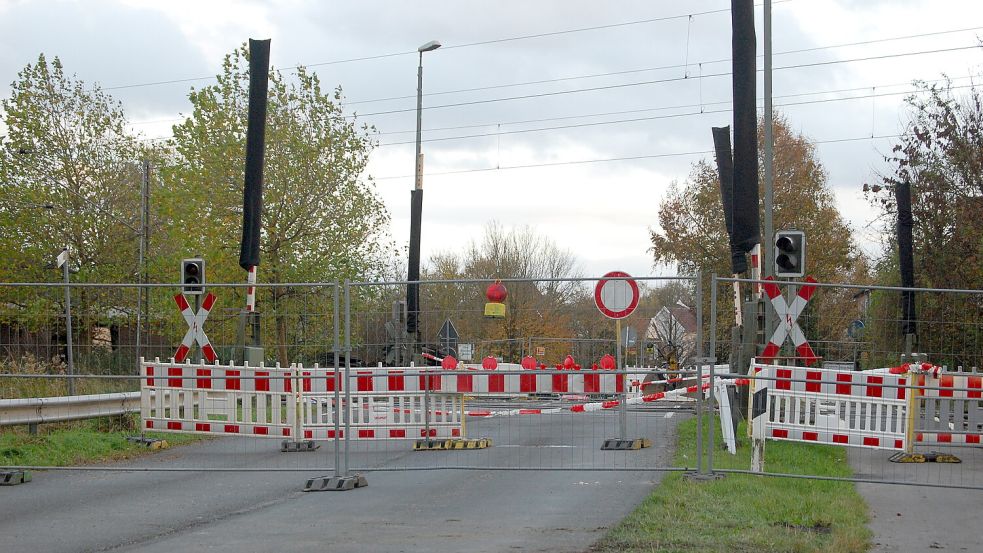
(616, 295)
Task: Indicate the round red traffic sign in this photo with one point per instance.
(616, 299)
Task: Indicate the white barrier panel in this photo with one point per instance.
(952, 414)
(384, 416)
(218, 399)
(830, 407)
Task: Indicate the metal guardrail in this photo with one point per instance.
(67, 408)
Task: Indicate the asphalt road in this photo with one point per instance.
(401, 510)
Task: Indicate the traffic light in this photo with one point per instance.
(790, 253)
(193, 275)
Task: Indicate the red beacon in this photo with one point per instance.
(496, 294)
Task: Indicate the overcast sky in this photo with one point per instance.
(592, 188)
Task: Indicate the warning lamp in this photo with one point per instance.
(193, 276)
(496, 294)
(790, 253)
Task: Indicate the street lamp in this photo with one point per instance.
(416, 210)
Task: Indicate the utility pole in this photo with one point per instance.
(63, 262)
(144, 244)
(769, 241)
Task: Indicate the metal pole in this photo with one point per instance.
(769, 159)
(348, 368)
(337, 387)
(143, 252)
(712, 354)
(68, 328)
(416, 217)
(623, 407)
(426, 402)
(699, 371)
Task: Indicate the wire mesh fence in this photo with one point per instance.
(838, 364)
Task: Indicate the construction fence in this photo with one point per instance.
(344, 377)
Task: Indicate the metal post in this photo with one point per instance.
(68, 328)
(623, 407)
(769, 158)
(144, 221)
(416, 216)
(426, 402)
(348, 368)
(699, 371)
(712, 357)
(337, 387)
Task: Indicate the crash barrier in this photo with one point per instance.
(298, 403)
(829, 406)
(949, 407)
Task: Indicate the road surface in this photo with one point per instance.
(444, 510)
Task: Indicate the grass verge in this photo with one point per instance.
(745, 513)
(78, 443)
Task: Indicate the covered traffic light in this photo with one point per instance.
(790, 253)
(193, 276)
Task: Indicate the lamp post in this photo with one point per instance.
(416, 212)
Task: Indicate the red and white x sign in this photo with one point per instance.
(787, 314)
(195, 331)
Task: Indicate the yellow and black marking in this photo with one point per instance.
(149, 443)
(14, 477)
(618, 444)
(930, 457)
(454, 443)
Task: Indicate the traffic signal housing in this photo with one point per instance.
(790, 253)
(193, 276)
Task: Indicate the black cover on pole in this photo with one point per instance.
(252, 192)
(746, 222)
(725, 173)
(413, 289)
(906, 261)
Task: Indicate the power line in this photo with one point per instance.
(614, 159)
(658, 117)
(659, 81)
(663, 67)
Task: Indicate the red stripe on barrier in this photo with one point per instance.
(946, 381)
(654, 397)
(530, 411)
(363, 383)
(814, 381)
(286, 432)
(206, 382)
(433, 433)
(209, 352)
(366, 433)
(465, 383)
(901, 390)
(844, 383)
(779, 433)
(401, 433)
(232, 428)
(610, 404)
(944, 438)
(261, 430)
(306, 381)
(560, 382)
(480, 413)
(898, 444)
(496, 383)
(972, 438)
(150, 374)
(203, 427)
(874, 391)
(527, 383)
(233, 383)
(806, 353)
(974, 382)
(784, 381)
(331, 434)
(577, 409)
(174, 382)
(592, 383)
(455, 432)
(308, 434)
(150, 424)
(810, 436)
(396, 381)
(173, 425)
(262, 384)
(329, 383)
(771, 350)
(182, 302)
(619, 383)
(873, 442)
(841, 439)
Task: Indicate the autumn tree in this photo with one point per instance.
(322, 219)
(940, 157)
(692, 235)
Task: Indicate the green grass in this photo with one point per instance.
(747, 513)
(79, 443)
